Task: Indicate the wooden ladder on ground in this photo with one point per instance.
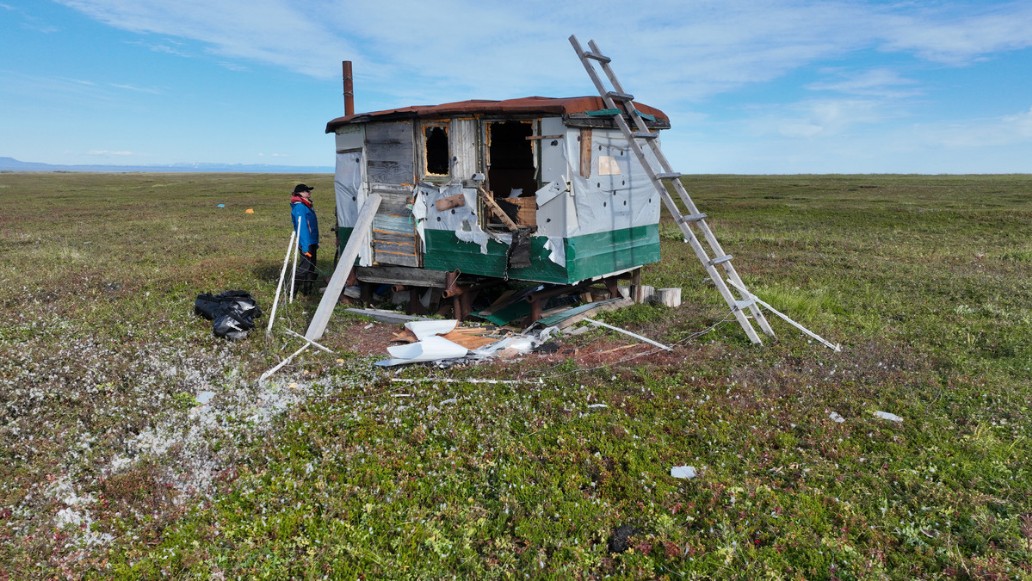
(711, 255)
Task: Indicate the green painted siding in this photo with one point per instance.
(343, 235)
(446, 252)
(593, 255)
(587, 256)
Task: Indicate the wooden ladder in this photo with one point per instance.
(712, 256)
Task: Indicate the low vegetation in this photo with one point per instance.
(135, 444)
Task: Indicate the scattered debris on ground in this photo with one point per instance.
(444, 342)
(683, 472)
(888, 416)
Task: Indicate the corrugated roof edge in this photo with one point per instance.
(566, 106)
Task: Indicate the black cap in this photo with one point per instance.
(302, 188)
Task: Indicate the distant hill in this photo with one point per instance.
(10, 164)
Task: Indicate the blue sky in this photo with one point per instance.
(751, 86)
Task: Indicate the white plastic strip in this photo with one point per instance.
(628, 333)
(279, 286)
(313, 343)
(807, 332)
(293, 271)
(282, 363)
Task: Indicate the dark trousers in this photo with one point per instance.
(305, 275)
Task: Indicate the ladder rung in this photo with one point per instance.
(692, 218)
(620, 96)
(644, 135)
(720, 260)
(598, 57)
(668, 176)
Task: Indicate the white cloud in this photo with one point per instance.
(1020, 123)
(879, 82)
(1006, 130)
(451, 48)
(958, 34)
(171, 47)
(136, 89)
(286, 34)
(814, 118)
(680, 56)
(774, 145)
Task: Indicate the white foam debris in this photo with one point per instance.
(683, 472)
(888, 416)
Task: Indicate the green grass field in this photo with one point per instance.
(110, 466)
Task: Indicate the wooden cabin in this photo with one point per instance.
(533, 189)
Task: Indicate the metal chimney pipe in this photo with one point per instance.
(349, 90)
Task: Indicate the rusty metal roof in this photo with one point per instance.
(565, 106)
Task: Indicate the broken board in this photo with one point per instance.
(345, 265)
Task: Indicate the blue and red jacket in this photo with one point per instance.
(308, 235)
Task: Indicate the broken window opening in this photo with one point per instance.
(438, 157)
(512, 172)
(511, 157)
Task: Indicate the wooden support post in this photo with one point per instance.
(535, 308)
(414, 306)
(367, 294)
(457, 311)
(359, 237)
(467, 301)
(636, 286)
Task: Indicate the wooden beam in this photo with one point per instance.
(403, 275)
(359, 237)
(497, 210)
(585, 152)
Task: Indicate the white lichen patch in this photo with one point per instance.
(82, 410)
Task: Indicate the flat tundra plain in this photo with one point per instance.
(133, 443)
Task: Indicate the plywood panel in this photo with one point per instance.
(389, 153)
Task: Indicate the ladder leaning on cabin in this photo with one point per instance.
(621, 102)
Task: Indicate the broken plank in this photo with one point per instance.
(575, 315)
(402, 275)
(359, 238)
(497, 210)
(384, 316)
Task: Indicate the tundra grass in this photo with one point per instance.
(112, 467)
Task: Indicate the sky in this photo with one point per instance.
(751, 86)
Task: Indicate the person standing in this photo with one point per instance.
(306, 224)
